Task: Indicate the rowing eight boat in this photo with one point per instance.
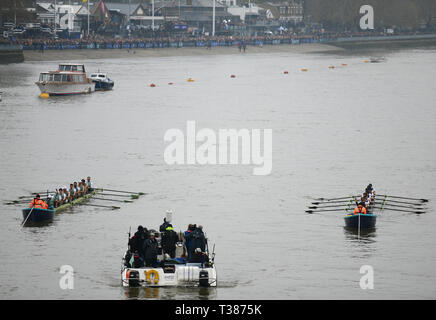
(45, 215)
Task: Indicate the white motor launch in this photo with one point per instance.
(199, 271)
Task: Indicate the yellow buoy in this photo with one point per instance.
(304, 69)
(190, 80)
(44, 95)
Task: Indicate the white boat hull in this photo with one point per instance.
(66, 89)
(185, 275)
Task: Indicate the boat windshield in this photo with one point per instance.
(72, 67)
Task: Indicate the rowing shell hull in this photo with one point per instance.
(38, 214)
(75, 202)
(367, 221)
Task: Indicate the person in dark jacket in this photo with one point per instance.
(188, 240)
(164, 225)
(137, 241)
(169, 240)
(151, 248)
(197, 240)
(199, 257)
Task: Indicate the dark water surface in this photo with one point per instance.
(334, 131)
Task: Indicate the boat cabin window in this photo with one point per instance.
(77, 78)
(68, 67)
(93, 75)
(101, 75)
(58, 77)
(44, 77)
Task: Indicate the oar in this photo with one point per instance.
(402, 202)
(339, 201)
(422, 200)
(326, 199)
(121, 191)
(132, 196)
(330, 210)
(16, 202)
(397, 206)
(41, 192)
(392, 209)
(111, 199)
(96, 205)
(322, 207)
(26, 197)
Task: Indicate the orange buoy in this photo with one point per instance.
(152, 85)
(344, 64)
(190, 80)
(304, 69)
(331, 67)
(366, 61)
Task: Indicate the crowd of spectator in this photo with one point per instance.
(102, 42)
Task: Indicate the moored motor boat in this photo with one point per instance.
(102, 81)
(377, 59)
(69, 79)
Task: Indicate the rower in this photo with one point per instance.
(90, 184)
(85, 186)
(76, 189)
(51, 201)
(59, 198)
(360, 209)
(79, 186)
(38, 203)
(72, 192)
(65, 195)
(365, 199)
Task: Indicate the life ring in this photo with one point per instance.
(148, 276)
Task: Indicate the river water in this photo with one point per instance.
(334, 131)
